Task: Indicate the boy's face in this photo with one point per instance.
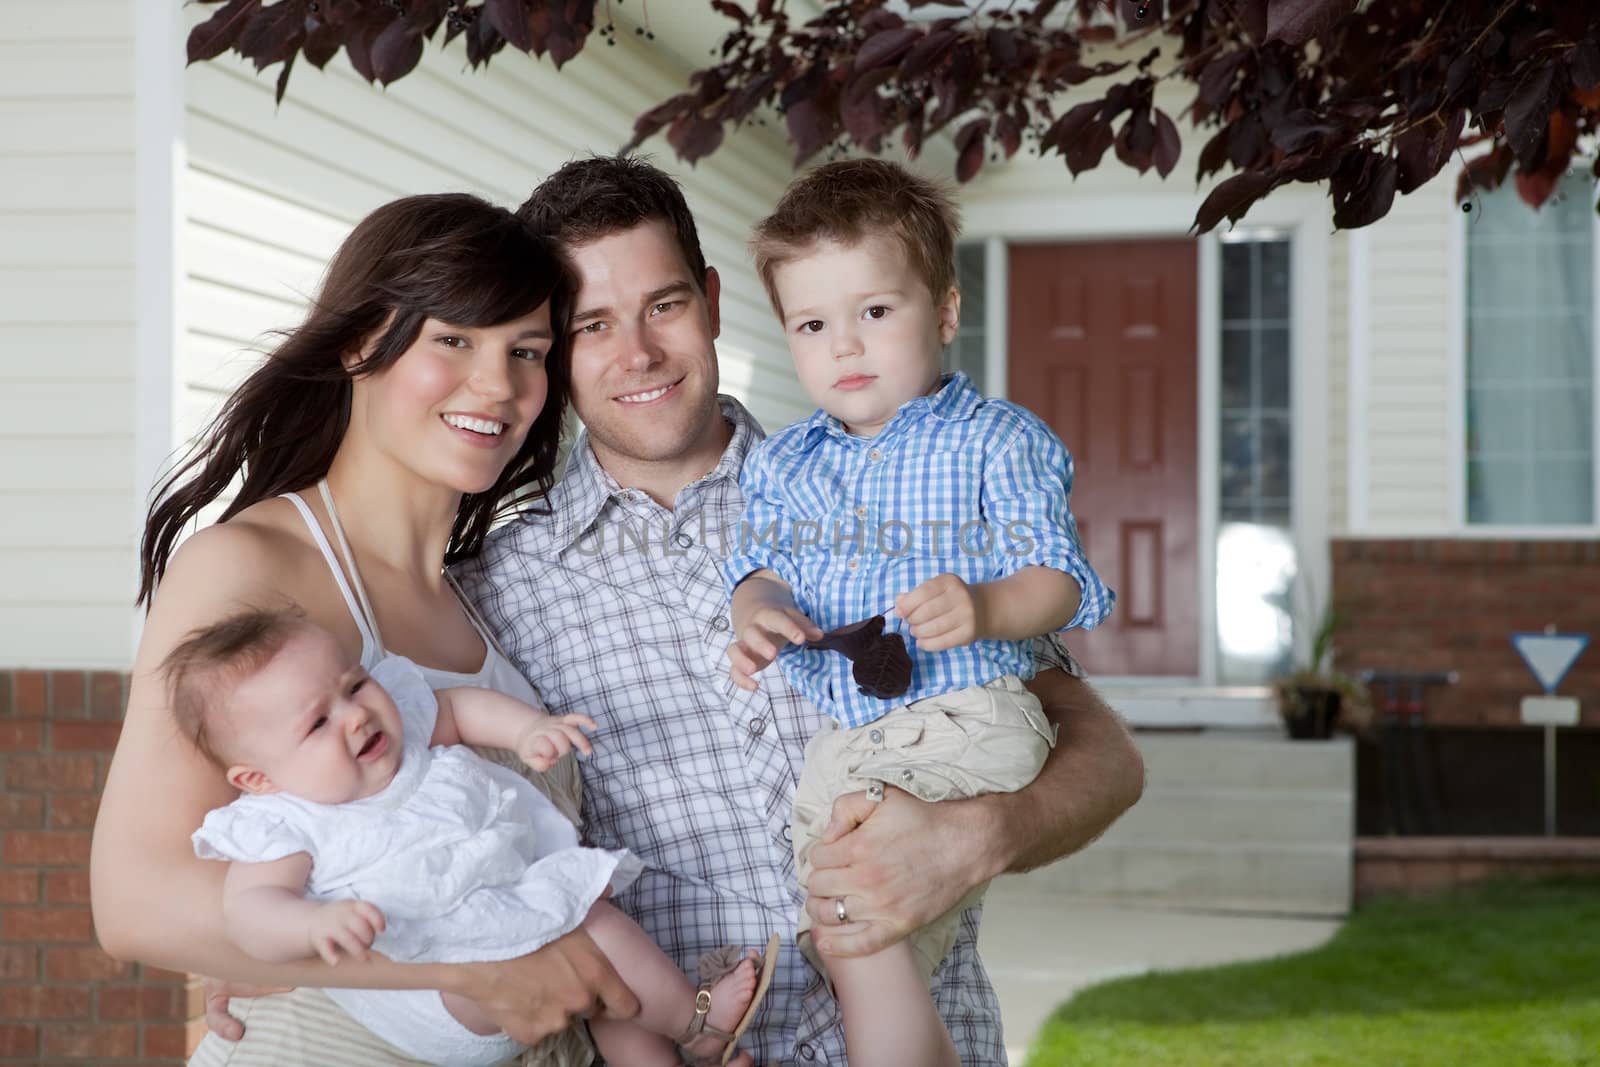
(865, 332)
(313, 725)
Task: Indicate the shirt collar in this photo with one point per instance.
(955, 400)
(586, 488)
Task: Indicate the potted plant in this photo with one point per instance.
(1315, 699)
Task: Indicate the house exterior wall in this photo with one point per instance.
(67, 493)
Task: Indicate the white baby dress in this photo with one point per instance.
(467, 861)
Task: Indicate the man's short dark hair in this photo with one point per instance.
(587, 199)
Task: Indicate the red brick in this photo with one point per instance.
(165, 1003)
(21, 812)
(44, 1002)
(28, 694)
(18, 1040)
(157, 976)
(73, 811)
(19, 963)
(19, 887)
(69, 694)
(5, 694)
(91, 1041)
(48, 924)
(51, 774)
(105, 695)
(47, 848)
(83, 965)
(84, 736)
(194, 997)
(66, 887)
(20, 736)
(165, 1039)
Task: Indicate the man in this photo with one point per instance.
(610, 601)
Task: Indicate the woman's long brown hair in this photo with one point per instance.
(451, 257)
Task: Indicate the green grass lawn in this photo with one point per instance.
(1503, 976)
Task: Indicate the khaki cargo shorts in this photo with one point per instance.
(991, 738)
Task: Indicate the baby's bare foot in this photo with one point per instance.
(730, 996)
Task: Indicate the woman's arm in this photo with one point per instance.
(155, 901)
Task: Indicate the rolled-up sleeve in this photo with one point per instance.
(765, 535)
(1026, 486)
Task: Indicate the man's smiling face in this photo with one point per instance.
(644, 363)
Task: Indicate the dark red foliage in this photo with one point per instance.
(1374, 99)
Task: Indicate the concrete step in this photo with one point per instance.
(1226, 759)
(1222, 816)
(1274, 878)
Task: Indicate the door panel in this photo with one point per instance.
(1103, 347)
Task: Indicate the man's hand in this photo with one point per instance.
(218, 993)
(899, 864)
(943, 612)
(539, 994)
(344, 927)
(550, 737)
(761, 637)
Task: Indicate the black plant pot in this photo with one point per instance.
(1310, 712)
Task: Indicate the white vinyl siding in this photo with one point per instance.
(1338, 382)
(270, 192)
(1407, 409)
(66, 334)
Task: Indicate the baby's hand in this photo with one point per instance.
(942, 613)
(550, 737)
(347, 926)
(761, 638)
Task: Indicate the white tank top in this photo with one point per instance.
(497, 672)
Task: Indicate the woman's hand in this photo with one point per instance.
(539, 994)
(218, 993)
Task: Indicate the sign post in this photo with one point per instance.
(1550, 655)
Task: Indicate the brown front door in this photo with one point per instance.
(1102, 346)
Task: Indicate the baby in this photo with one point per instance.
(366, 823)
(906, 490)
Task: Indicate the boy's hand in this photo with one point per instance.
(344, 926)
(943, 612)
(763, 635)
(550, 737)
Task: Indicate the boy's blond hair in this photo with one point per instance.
(854, 199)
(213, 659)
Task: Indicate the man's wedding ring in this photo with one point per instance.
(838, 910)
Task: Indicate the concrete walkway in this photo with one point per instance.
(1041, 947)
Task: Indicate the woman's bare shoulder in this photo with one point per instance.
(260, 557)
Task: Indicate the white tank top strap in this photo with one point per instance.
(371, 649)
(350, 564)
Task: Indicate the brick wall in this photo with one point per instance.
(62, 1000)
(1451, 605)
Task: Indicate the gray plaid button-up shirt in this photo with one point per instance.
(614, 606)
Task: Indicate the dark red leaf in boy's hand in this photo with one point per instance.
(884, 670)
(852, 640)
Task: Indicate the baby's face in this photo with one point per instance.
(865, 332)
(314, 725)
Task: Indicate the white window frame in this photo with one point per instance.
(1457, 400)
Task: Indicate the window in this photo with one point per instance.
(1530, 358)
(1256, 561)
(969, 351)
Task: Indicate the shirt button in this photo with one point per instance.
(788, 834)
(853, 564)
(719, 623)
(861, 512)
(757, 726)
(807, 1052)
(874, 455)
(876, 737)
(684, 540)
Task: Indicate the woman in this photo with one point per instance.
(423, 392)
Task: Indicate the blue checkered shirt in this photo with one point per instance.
(953, 484)
(614, 606)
